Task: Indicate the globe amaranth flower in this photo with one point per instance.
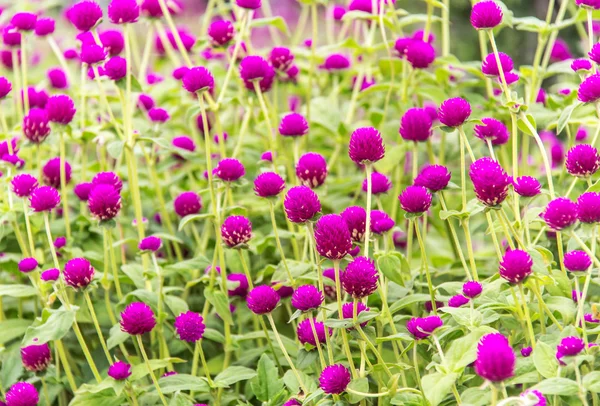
(189, 326)
(490, 67)
(454, 112)
(187, 203)
(241, 290)
(422, 327)
(293, 125)
(116, 68)
(307, 297)
(516, 265)
(311, 169)
(332, 237)
(92, 54)
(113, 41)
(527, 186)
(336, 63)
(249, 4)
(595, 4)
(268, 184)
(236, 230)
(104, 202)
(27, 264)
(281, 58)
(534, 396)
(198, 79)
(44, 198)
(458, 301)
(472, 289)
(582, 160)
(184, 142)
(570, 346)
(151, 8)
(495, 358)
(486, 15)
(360, 277)
(85, 15)
(51, 172)
(379, 184)
(356, 220)
(24, 21)
(401, 44)
(283, 291)
(589, 318)
(158, 115)
(306, 334)
(490, 181)
(589, 89)
(419, 54)
(78, 273)
(151, 243)
(5, 87)
(588, 207)
(50, 275)
(44, 26)
(262, 299)
(123, 11)
(36, 125)
(433, 177)
(493, 130)
(334, 379)
(577, 261)
(221, 32)
(381, 222)
(108, 178)
(348, 311)
(137, 319)
(60, 242)
(366, 145)
(36, 98)
(416, 125)
(582, 65)
(60, 109)
(23, 184)
(415, 199)
(560, 213)
(301, 204)
(526, 351)
(145, 101)
(36, 358)
(229, 170)
(119, 371)
(255, 69)
(22, 394)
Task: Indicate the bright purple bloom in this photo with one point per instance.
(526, 351)
(146, 101)
(85, 15)
(589, 89)
(24, 21)
(268, 184)
(379, 184)
(60, 242)
(458, 301)
(588, 207)
(527, 186)
(307, 297)
(51, 172)
(311, 169)
(415, 199)
(198, 79)
(229, 170)
(137, 319)
(24, 184)
(119, 371)
(454, 112)
(332, 237)
(495, 358)
(472, 289)
(151, 243)
(22, 394)
(560, 213)
(186, 37)
(92, 54)
(381, 222)
(50, 275)
(416, 125)
(78, 273)
(249, 4)
(489, 66)
(366, 145)
(60, 109)
(158, 115)
(582, 160)
(221, 33)
(423, 327)
(44, 198)
(334, 379)
(530, 393)
(5, 87)
(490, 181)
(360, 277)
(583, 65)
(187, 203)
(184, 142)
(493, 130)
(242, 289)
(189, 326)
(36, 125)
(420, 54)
(570, 346)
(108, 178)
(516, 265)
(281, 58)
(306, 335)
(485, 15)
(293, 125)
(560, 51)
(116, 68)
(152, 8)
(236, 230)
(401, 45)
(123, 11)
(589, 318)
(113, 41)
(255, 68)
(356, 220)
(27, 265)
(348, 311)
(36, 358)
(577, 261)
(595, 4)
(104, 202)
(433, 177)
(262, 299)
(301, 204)
(336, 62)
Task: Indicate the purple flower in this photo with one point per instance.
(36, 358)
(256, 69)
(301, 204)
(415, 199)
(485, 15)
(570, 346)
(595, 4)
(229, 170)
(22, 394)
(332, 237)
(23, 184)
(221, 33)
(493, 130)
(527, 186)
(268, 184)
(281, 58)
(381, 222)
(560, 213)
(104, 202)
(533, 394)
(262, 299)
(526, 351)
(293, 125)
(415, 125)
(151, 243)
(454, 112)
(582, 160)
(158, 115)
(36, 125)
(560, 50)
(50, 275)
(366, 145)
(44, 26)
(401, 45)
(189, 326)
(458, 301)
(24, 21)
(60, 109)
(44, 198)
(336, 63)
(123, 11)
(116, 68)
(334, 379)
(145, 101)
(577, 261)
(495, 358)
(78, 273)
(311, 169)
(419, 54)
(152, 8)
(489, 66)
(490, 181)
(60, 242)
(108, 178)
(184, 142)
(589, 89)
(236, 230)
(51, 172)
(137, 319)
(187, 203)
(248, 4)
(119, 371)
(306, 334)
(5, 87)
(113, 41)
(588, 207)
(348, 311)
(27, 264)
(516, 265)
(356, 220)
(338, 12)
(198, 79)
(472, 289)
(433, 177)
(582, 65)
(422, 327)
(307, 297)
(360, 277)
(85, 15)
(242, 289)
(379, 184)
(589, 318)
(92, 54)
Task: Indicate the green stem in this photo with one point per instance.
(426, 266)
(244, 22)
(368, 172)
(265, 111)
(28, 228)
(150, 371)
(316, 337)
(246, 269)
(204, 364)
(338, 294)
(279, 246)
(97, 326)
(527, 315)
(113, 261)
(63, 185)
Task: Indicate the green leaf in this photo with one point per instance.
(192, 217)
(54, 328)
(523, 125)
(463, 351)
(277, 22)
(591, 381)
(116, 337)
(267, 384)
(558, 386)
(565, 116)
(220, 303)
(115, 148)
(324, 113)
(104, 398)
(183, 382)
(292, 383)
(390, 266)
(12, 367)
(409, 300)
(438, 386)
(17, 290)
(305, 359)
(359, 385)
(135, 85)
(544, 360)
(139, 371)
(234, 374)
(12, 329)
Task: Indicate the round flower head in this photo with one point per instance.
(51, 172)
(104, 202)
(187, 203)
(281, 58)
(198, 79)
(379, 184)
(24, 21)
(85, 15)
(534, 396)
(36, 125)
(256, 69)
(423, 327)
(415, 199)
(116, 68)
(472, 289)
(27, 264)
(570, 346)
(71, 54)
(589, 318)
(119, 371)
(415, 125)
(22, 394)
(44, 26)
(311, 169)
(306, 335)
(334, 379)
(336, 63)
(583, 65)
(36, 358)
(589, 89)
(381, 222)
(348, 311)
(242, 289)
(301, 204)
(433, 177)
(60, 242)
(158, 115)
(307, 297)
(23, 184)
(458, 301)
(526, 351)
(184, 142)
(595, 4)
(137, 318)
(495, 358)
(108, 178)
(236, 230)
(50, 275)
(577, 261)
(60, 109)
(293, 125)
(332, 237)
(581, 134)
(151, 243)
(146, 102)
(262, 299)
(180, 72)
(493, 130)
(113, 41)
(582, 160)
(356, 220)
(92, 54)
(248, 4)
(360, 277)
(189, 326)
(78, 273)
(366, 145)
(44, 198)
(123, 11)
(229, 170)
(283, 291)
(5, 87)
(221, 33)
(36, 98)
(560, 213)
(588, 207)
(527, 186)
(516, 265)
(489, 66)
(485, 15)
(419, 54)
(268, 184)
(490, 181)
(454, 112)
(401, 44)
(152, 8)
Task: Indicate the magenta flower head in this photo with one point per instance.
(119, 371)
(516, 265)
(336, 63)
(236, 231)
(415, 199)
(5, 87)
(44, 198)
(379, 184)
(116, 68)
(198, 79)
(495, 358)
(123, 11)
(577, 261)
(24, 184)
(113, 41)
(472, 289)
(221, 33)
(381, 222)
(92, 53)
(348, 311)
(493, 130)
(334, 379)
(454, 112)
(60, 242)
(248, 4)
(229, 170)
(137, 319)
(27, 264)
(50, 275)
(104, 202)
(241, 289)
(527, 186)
(366, 145)
(78, 273)
(420, 54)
(458, 301)
(356, 220)
(60, 109)
(560, 213)
(85, 15)
(306, 298)
(158, 115)
(268, 184)
(526, 351)
(51, 172)
(582, 160)
(22, 394)
(415, 125)
(307, 336)
(332, 237)
(534, 396)
(588, 207)
(189, 326)
(433, 177)
(281, 58)
(293, 125)
(108, 178)
(145, 101)
(24, 21)
(422, 327)
(36, 125)
(255, 68)
(583, 65)
(595, 4)
(360, 278)
(490, 181)
(570, 346)
(311, 169)
(589, 89)
(262, 299)
(489, 66)
(44, 26)
(486, 15)
(184, 142)
(151, 243)
(36, 358)
(301, 204)
(187, 203)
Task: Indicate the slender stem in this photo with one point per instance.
(50, 241)
(115, 271)
(368, 172)
(45, 390)
(65, 363)
(527, 315)
(150, 371)
(416, 365)
(167, 15)
(317, 343)
(244, 21)
(265, 111)
(279, 246)
(28, 228)
(204, 364)
(63, 185)
(426, 266)
(97, 326)
(246, 269)
(338, 296)
(494, 237)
